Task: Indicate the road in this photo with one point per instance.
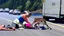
(6, 18)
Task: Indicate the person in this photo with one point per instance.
(2, 27)
(28, 25)
(18, 22)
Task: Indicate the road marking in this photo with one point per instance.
(56, 24)
(6, 19)
(59, 25)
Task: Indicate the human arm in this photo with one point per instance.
(26, 18)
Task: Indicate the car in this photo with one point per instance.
(11, 11)
(6, 10)
(16, 12)
(1, 9)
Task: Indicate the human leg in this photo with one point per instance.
(15, 25)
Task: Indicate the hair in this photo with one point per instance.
(4, 25)
(30, 14)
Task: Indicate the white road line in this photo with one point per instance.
(59, 25)
(56, 24)
(5, 19)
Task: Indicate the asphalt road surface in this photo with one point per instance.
(6, 18)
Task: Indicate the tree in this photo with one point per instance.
(27, 5)
(23, 4)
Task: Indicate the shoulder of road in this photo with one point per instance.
(56, 24)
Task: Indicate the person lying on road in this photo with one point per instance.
(2, 27)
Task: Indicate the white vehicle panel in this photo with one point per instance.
(51, 8)
(62, 8)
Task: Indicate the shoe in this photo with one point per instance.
(20, 28)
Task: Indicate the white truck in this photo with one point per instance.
(53, 10)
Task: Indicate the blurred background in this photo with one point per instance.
(29, 5)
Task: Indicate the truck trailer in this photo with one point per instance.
(53, 10)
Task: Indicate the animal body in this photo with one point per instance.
(38, 20)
